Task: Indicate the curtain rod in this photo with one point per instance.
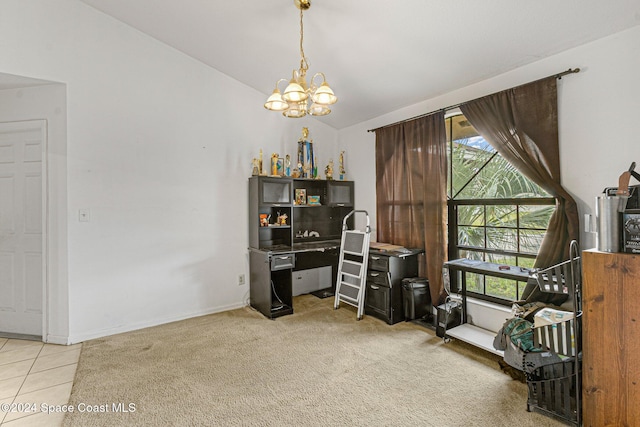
(557, 76)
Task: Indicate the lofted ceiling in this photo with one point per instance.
(377, 55)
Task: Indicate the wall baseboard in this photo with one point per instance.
(90, 335)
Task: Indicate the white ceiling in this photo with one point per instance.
(377, 55)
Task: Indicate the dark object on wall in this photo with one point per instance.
(631, 231)
(449, 315)
(416, 298)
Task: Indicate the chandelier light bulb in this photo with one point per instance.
(324, 95)
(275, 102)
(296, 110)
(294, 92)
(319, 110)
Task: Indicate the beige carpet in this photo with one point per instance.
(317, 367)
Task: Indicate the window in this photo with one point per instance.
(495, 213)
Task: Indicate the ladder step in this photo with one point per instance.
(351, 285)
(353, 268)
(358, 253)
(348, 299)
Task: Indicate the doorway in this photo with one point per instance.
(23, 230)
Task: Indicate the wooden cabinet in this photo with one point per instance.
(611, 339)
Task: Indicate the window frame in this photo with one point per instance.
(454, 248)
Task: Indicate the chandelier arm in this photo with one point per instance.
(279, 81)
(312, 83)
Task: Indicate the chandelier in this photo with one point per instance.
(294, 102)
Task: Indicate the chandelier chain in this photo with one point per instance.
(304, 65)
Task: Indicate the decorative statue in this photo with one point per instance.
(282, 219)
(341, 162)
(328, 171)
(260, 163)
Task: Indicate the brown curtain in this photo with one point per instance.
(411, 195)
(522, 125)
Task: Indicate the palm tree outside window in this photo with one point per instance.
(495, 213)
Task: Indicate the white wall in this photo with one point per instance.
(597, 110)
(159, 149)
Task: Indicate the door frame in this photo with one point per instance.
(43, 127)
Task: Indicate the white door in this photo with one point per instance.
(21, 218)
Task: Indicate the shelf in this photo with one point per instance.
(476, 336)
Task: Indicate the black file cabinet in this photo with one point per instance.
(383, 297)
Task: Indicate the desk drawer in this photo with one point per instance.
(378, 278)
(377, 301)
(282, 262)
(379, 262)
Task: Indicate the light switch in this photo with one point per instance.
(84, 215)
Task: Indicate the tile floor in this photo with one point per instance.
(33, 376)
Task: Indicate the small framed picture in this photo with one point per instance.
(313, 200)
(301, 196)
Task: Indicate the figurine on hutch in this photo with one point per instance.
(328, 171)
(282, 219)
(287, 165)
(256, 163)
(341, 170)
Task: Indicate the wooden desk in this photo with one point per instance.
(271, 269)
(481, 267)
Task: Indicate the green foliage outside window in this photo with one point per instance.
(497, 220)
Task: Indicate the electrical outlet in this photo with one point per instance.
(240, 279)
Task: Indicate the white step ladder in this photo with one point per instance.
(352, 271)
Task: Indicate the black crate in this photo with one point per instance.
(553, 391)
(449, 315)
